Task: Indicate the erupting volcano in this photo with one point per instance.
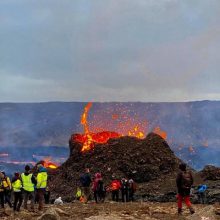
(88, 138)
(128, 126)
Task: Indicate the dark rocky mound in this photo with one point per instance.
(149, 160)
(210, 173)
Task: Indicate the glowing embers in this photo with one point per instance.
(123, 121)
(47, 163)
(136, 132)
(161, 133)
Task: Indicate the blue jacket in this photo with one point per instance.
(202, 188)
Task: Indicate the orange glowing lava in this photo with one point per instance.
(136, 132)
(120, 120)
(90, 138)
(48, 164)
(161, 133)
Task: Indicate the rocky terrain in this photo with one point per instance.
(149, 161)
(116, 211)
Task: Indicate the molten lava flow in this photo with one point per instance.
(48, 164)
(161, 133)
(84, 121)
(90, 139)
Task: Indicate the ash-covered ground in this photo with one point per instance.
(116, 211)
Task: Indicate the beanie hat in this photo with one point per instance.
(27, 168)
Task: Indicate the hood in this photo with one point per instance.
(42, 169)
(98, 175)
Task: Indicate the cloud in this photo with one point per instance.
(109, 50)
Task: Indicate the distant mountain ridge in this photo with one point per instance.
(187, 124)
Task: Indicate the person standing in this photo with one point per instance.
(41, 186)
(184, 182)
(124, 190)
(202, 193)
(7, 189)
(115, 187)
(28, 181)
(2, 200)
(85, 180)
(98, 188)
(131, 189)
(17, 187)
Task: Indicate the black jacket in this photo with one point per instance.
(182, 190)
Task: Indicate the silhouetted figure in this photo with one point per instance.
(17, 189)
(98, 188)
(7, 189)
(184, 182)
(85, 180)
(202, 193)
(2, 195)
(131, 189)
(124, 190)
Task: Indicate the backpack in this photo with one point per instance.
(85, 180)
(186, 180)
(134, 186)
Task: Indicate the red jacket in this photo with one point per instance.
(115, 185)
(98, 177)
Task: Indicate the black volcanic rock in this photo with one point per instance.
(210, 173)
(145, 160)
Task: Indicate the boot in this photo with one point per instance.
(192, 211)
(179, 211)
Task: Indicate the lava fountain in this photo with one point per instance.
(129, 128)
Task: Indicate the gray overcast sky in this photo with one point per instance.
(109, 50)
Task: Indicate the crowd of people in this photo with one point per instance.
(124, 189)
(120, 189)
(32, 185)
(24, 186)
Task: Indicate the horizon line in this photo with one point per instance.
(150, 102)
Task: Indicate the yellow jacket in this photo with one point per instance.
(41, 180)
(6, 183)
(17, 185)
(1, 186)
